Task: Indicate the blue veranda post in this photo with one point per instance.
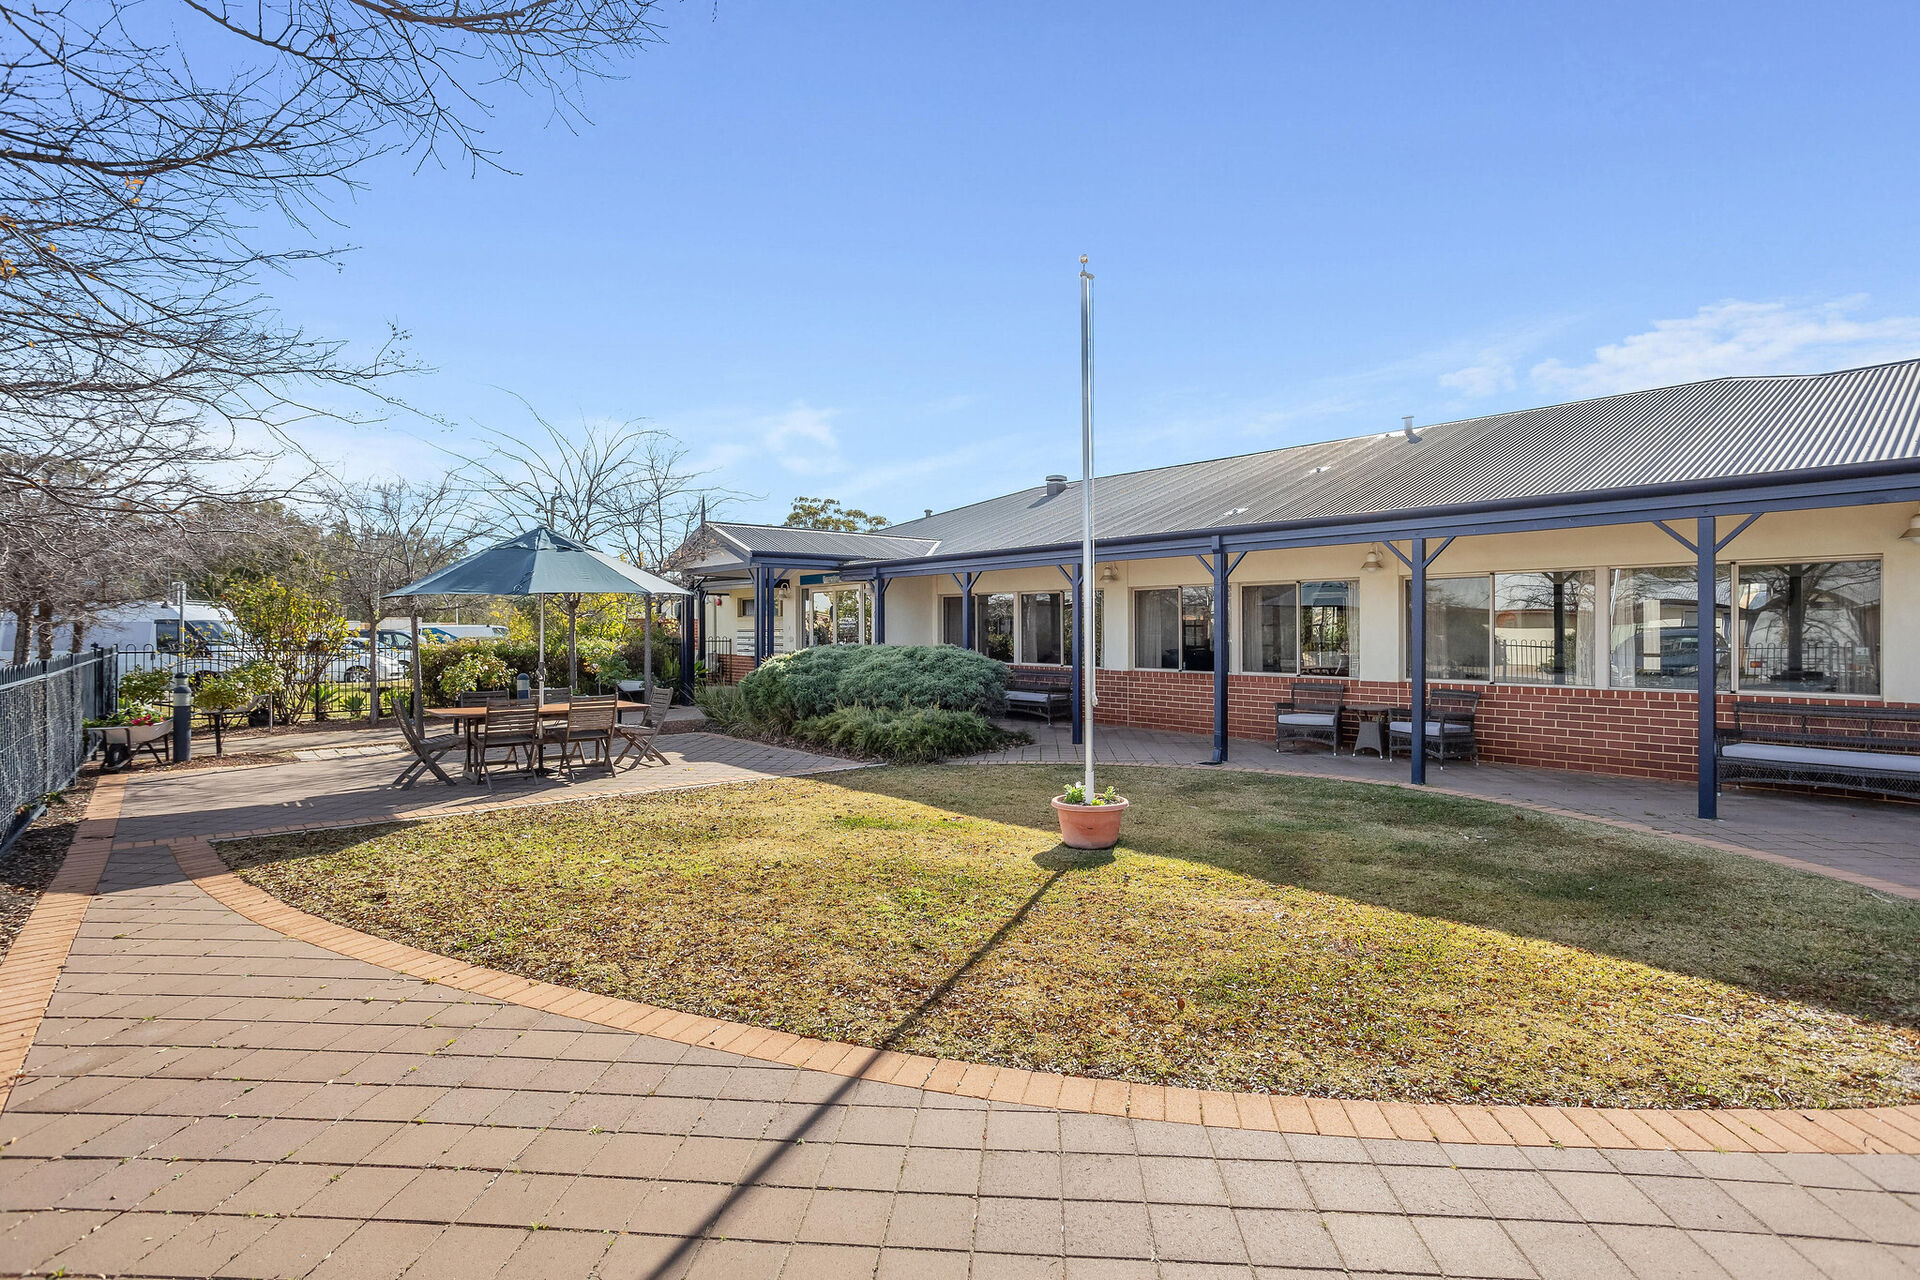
(1090, 698)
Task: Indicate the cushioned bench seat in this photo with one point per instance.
(1320, 718)
(1434, 728)
(1822, 757)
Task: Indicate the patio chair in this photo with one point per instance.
(657, 704)
(590, 724)
(638, 734)
(426, 755)
(1311, 714)
(482, 698)
(1450, 715)
(512, 729)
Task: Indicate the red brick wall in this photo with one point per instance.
(1642, 733)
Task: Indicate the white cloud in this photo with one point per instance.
(1731, 338)
(802, 441)
(1490, 374)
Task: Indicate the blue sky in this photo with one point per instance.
(832, 247)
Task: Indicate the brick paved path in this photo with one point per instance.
(207, 1096)
(1868, 842)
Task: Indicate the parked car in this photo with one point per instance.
(355, 664)
(148, 634)
(447, 632)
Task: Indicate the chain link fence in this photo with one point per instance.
(42, 741)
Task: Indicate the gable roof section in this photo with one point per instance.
(734, 542)
(1718, 429)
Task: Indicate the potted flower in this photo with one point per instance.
(1089, 822)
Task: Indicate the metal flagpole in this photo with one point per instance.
(1087, 588)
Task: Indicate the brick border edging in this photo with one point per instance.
(1841, 1131)
(32, 965)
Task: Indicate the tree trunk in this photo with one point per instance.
(43, 628)
(22, 631)
(79, 629)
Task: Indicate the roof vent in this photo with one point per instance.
(928, 510)
(1056, 485)
(1406, 427)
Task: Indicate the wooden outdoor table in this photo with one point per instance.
(466, 717)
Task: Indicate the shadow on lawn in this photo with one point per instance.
(1060, 861)
(1664, 903)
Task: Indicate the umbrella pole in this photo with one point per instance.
(646, 676)
(540, 657)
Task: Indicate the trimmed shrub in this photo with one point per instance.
(816, 682)
(917, 735)
(474, 671)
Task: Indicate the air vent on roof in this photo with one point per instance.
(929, 510)
(1056, 485)
(1317, 470)
(1406, 425)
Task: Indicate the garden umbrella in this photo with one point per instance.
(540, 563)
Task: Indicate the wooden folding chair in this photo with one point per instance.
(512, 729)
(426, 755)
(590, 723)
(638, 736)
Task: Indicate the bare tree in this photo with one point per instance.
(384, 535)
(149, 150)
(619, 485)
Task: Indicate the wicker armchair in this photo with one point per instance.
(1311, 714)
(1450, 716)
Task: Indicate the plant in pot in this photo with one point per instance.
(1089, 822)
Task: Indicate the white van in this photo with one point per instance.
(149, 633)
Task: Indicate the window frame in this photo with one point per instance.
(1600, 676)
(1737, 654)
(1237, 620)
(1180, 644)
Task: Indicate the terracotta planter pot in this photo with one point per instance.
(1089, 826)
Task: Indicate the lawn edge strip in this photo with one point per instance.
(1847, 1131)
(1858, 879)
(33, 964)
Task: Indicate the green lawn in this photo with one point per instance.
(1250, 932)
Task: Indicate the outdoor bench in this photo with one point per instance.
(1311, 714)
(1851, 748)
(1450, 716)
(1040, 693)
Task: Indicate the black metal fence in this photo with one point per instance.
(43, 705)
(342, 692)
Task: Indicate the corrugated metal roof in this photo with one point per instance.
(1719, 429)
(774, 539)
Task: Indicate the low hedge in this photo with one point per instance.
(918, 735)
(816, 682)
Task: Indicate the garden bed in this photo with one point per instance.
(1250, 932)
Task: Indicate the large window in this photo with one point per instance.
(1042, 627)
(1173, 629)
(950, 632)
(1459, 627)
(1099, 627)
(1297, 628)
(993, 626)
(1655, 637)
(1510, 628)
(1270, 629)
(1810, 628)
(1543, 627)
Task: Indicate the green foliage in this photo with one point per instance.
(355, 703)
(827, 513)
(476, 670)
(147, 687)
(813, 682)
(1076, 793)
(917, 735)
(723, 706)
(298, 631)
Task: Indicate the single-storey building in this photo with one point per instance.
(1564, 555)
